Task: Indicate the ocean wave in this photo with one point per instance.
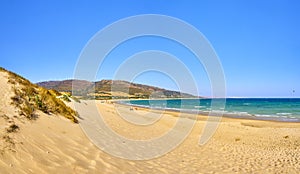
(263, 115)
(199, 106)
(283, 113)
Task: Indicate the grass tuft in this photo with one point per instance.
(12, 128)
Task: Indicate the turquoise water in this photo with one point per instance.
(281, 109)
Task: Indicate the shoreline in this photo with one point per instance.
(248, 122)
(206, 113)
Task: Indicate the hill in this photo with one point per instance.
(108, 89)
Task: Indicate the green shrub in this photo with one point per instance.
(28, 111)
(65, 98)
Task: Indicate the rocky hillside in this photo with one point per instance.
(65, 85)
(107, 89)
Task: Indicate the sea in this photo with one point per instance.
(277, 109)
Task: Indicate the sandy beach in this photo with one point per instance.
(53, 144)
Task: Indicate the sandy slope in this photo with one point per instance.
(52, 144)
(6, 93)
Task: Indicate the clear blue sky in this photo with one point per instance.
(258, 42)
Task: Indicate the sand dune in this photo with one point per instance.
(53, 144)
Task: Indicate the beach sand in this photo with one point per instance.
(52, 144)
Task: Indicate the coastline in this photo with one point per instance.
(207, 113)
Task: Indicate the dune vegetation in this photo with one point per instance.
(30, 97)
